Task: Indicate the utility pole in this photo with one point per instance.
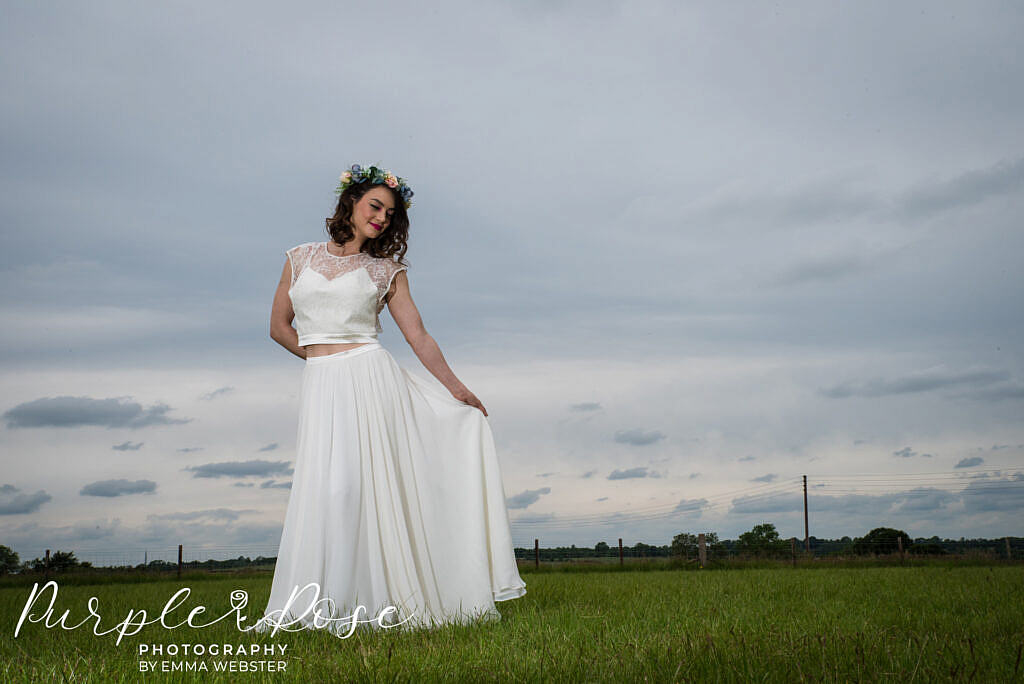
(807, 533)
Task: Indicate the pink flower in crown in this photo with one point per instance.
(391, 181)
(346, 177)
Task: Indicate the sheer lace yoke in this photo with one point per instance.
(316, 257)
(330, 307)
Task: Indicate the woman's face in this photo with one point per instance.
(371, 214)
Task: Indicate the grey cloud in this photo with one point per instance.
(120, 487)
(587, 474)
(638, 437)
(156, 532)
(848, 504)
(966, 189)
(1009, 390)
(526, 498)
(767, 504)
(189, 450)
(65, 411)
(694, 475)
(748, 457)
(925, 381)
(907, 452)
(924, 499)
(769, 477)
(205, 514)
(252, 468)
(995, 495)
(828, 201)
(821, 268)
(13, 502)
(545, 474)
(269, 447)
(969, 462)
(603, 498)
(817, 202)
(532, 518)
(585, 406)
(979, 496)
(640, 471)
(220, 391)
(127, 446)
(691, 506)
(273, 484)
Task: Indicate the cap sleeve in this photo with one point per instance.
(393, 269)
(298, 256)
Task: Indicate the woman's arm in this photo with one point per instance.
(281, 315)
(407, 316)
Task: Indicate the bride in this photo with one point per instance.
(397, 504)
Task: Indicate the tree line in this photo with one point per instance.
(63, 561)
(764, 540)
(761, 540)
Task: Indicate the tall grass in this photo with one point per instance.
(911, 623)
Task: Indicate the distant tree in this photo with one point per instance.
(881, 540)
(685, 544)
(601, 548)
(59, 560)
(763, 538)
(8, 560)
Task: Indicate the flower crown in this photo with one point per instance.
(375, 175)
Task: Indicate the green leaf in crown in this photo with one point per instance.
(376, 175)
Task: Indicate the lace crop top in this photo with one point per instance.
(338, 299)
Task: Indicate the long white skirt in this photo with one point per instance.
(397, 509)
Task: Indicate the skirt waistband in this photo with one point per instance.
(362, 349)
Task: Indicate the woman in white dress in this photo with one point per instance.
(397, 510)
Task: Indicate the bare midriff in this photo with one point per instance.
(314, 350)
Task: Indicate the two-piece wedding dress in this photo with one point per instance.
(397, 498)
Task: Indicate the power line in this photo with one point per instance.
(850, 484)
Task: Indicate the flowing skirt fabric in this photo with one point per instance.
(396, 500)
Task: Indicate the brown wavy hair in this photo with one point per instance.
(390, 244)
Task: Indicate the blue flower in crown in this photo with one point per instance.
(377, 176)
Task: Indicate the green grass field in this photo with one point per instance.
(916, 623)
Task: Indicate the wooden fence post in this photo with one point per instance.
(1009, 556)
(899, 543)
(620, 550)
(536, 553)
(792, 549)
(46, 565)
(702, 552)
(179, 561)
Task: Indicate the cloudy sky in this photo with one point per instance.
(685, 253)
